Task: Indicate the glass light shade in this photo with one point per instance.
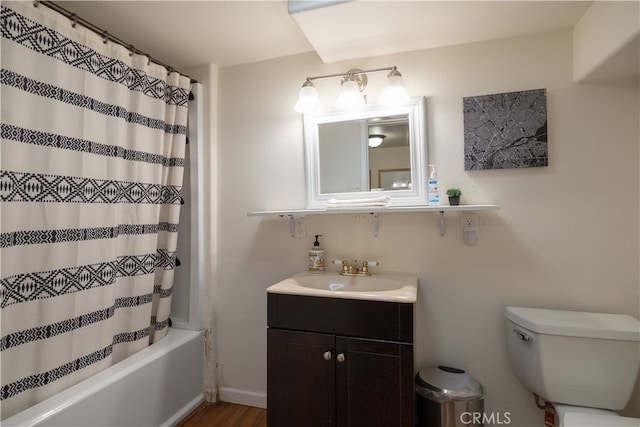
(308, 100)
(394, 93)
(375, 140)
(350, 96)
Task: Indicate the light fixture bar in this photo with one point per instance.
(373, 70)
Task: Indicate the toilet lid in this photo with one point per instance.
(576, 323)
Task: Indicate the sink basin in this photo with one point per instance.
(396, 287)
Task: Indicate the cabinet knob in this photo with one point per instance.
(341, 357)
(327, 355)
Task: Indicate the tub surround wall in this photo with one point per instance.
(566, 236)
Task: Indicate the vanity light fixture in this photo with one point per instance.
(308, 98)
(354, 82)
(394, 93)
(376, 140)
(350, 95)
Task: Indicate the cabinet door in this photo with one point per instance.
(374, 383)
(300, 379)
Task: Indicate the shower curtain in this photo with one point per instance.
(92, 153)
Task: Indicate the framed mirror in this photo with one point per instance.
(376, 150)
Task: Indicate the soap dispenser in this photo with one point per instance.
(433, 190)
(316, 257)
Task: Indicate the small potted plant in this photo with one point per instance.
(454, 196)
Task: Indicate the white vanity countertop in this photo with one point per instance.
(390, 287)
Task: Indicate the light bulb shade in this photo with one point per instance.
(375, 140)
(308, 100)
(350, 96)
(394, 93)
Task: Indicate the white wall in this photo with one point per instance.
(604, 31)
(208, 76)
(566, 236)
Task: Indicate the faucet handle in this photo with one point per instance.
(365, 267)
(345, 267)
(342, 262)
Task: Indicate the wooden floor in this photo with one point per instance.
(223, 414)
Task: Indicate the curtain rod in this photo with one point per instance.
(75, 19)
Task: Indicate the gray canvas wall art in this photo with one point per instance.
(506, 130)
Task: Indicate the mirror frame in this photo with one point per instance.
(415, 110)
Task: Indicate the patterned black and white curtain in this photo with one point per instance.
(92, 154)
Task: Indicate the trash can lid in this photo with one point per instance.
(450, 383)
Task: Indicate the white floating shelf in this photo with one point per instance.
(375, 212)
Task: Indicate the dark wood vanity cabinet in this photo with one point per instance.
(339, 362)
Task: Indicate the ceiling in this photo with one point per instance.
(190, 33)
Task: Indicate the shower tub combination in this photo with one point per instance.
(157, 386)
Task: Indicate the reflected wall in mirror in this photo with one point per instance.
(389, 162)
(373, 151)
(346, 148)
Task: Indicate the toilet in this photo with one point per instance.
(584, 364)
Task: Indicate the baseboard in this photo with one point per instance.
(242, 397)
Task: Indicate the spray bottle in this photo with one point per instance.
(433, 187)
(316, 257)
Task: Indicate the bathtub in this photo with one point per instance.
(157, 386)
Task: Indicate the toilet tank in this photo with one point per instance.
(575, 358)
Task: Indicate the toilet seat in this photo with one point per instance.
(577, 416)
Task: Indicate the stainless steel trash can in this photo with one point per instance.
(448, 397)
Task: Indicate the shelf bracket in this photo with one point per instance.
(442, 223)
(376, 223)
(291, 225)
